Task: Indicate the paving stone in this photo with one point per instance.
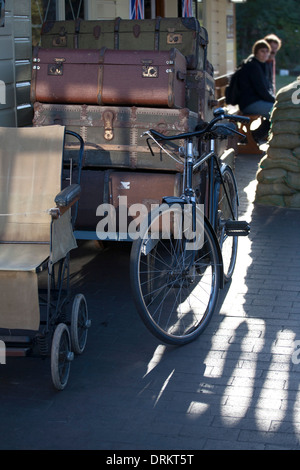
(236, 387)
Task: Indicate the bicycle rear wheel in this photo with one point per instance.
(175, 288)
(227, 209)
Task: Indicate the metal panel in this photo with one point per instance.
(15, 63)
(22, 70)
(7, 118)
(24, 115)
(6, 47)
(9, 97)
(22, 27)
(23, 49)
(22, 8)
(7, 71)
(7, 30)
(23, 93)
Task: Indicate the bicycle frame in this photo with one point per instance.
(212, 131)
(213, 184)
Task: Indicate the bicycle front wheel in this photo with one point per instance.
(175, 288)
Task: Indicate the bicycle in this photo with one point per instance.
(185, 253)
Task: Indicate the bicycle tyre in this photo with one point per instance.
(228, 244)
(175, 289)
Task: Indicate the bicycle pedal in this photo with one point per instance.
(237, 228)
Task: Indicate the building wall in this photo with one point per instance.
(171, 8)
(15, 64)
(219, 20)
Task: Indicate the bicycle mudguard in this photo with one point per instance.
(213, 233)
(224, 167)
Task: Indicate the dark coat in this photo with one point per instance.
(254, 83)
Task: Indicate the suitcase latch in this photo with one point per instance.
(57, 68)
(61, 39)
(108, 117)
(149, 71)
(174, 38)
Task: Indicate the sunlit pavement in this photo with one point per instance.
(236, 387)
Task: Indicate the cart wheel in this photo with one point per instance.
(79, 324)
(61, 356)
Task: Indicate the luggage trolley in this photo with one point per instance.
(37, 213)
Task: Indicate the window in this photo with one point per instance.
(74, 9)
(50, 10)
(154, 8)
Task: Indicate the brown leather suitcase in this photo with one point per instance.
(83, 76)
(66, 76)
(143, 78)
(120, 189)
(113, 134)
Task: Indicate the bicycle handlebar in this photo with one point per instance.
(219, 115)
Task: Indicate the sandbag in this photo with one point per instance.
(279, 173)
(292, 114)
(274, 188)
(286, 93)
(288, 141)
(293, 201)
(271, 200)
(272, 175)
(285, 127)
(293, 180)
(296, 152)
(286, 105)
(288, 164)
(279, 154)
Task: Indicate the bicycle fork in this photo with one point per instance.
(188, 190)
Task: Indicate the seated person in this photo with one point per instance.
(256, 89)
(275, 44)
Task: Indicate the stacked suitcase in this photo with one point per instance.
(110, 81)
